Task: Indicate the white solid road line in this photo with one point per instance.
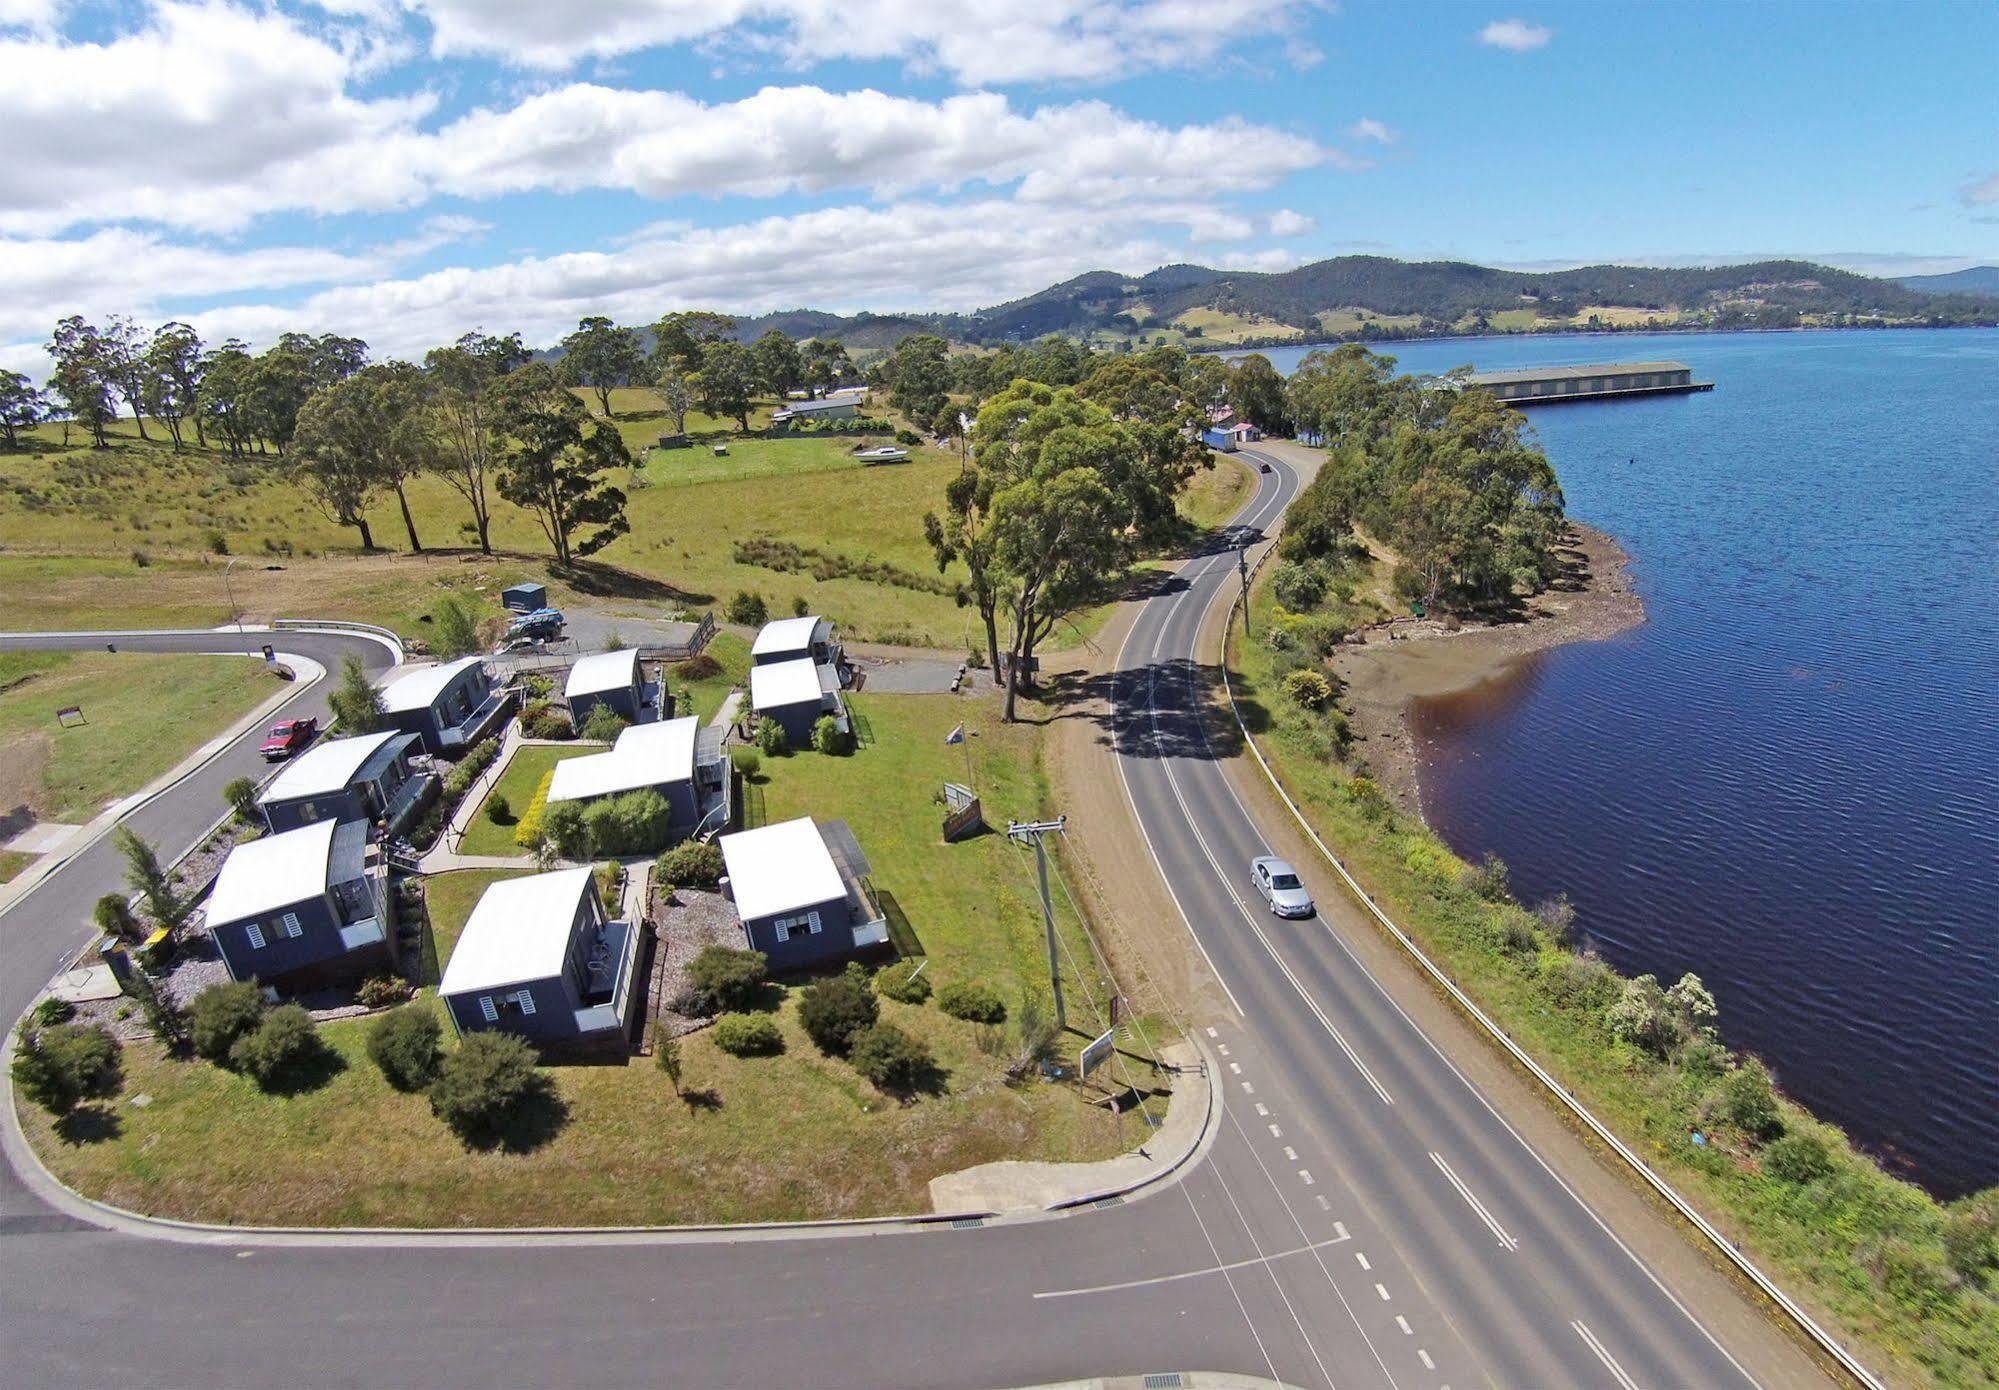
(1201, 1273)
(1485, 1215)
(1624, 1381)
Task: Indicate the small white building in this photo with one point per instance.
(796, 693)
(671, 756)
(614, 679)
(537, 957)
(799, 889)
(788, 639)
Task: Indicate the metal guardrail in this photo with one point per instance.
(1722, 1244)
(338, 625)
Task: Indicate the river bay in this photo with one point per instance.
(1787, 779)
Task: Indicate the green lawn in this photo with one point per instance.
(706, 695)
(143, 714)
(518, 785)
(11, 864)
(1217, 493)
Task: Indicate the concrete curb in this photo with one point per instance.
(1721, 1243)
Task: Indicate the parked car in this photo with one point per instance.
(1281, 887)
(542, 625)
(288, 738)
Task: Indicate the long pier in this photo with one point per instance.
(1602, 381)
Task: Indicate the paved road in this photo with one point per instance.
(1319, 1243)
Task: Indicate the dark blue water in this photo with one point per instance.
(1787, 780)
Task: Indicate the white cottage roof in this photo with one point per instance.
(276, 871)
(327, 768)
(518, 932)
(786, 635)
(782, 683)
(415, 689)
(780, 868)
(645, 755)
(593, 675)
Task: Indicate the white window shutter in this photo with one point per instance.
(291, 925)
(527, 1001)
(783, 929)
(812, 920)
(488, 1008)
(256, 935)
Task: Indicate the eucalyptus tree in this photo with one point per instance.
(552, 459)
(601, 356)
(456, 382)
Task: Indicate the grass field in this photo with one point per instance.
(1352, 320)
(706, 695)
(791, 1137)
(1219, 327)
(518, 785)
(144, 713)
(12, 864)
(1217, 493)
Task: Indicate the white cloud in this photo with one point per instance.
(1285, 222)
(1367, 128)
(1515, 35)
(976, 42)
(1983, 192)
(29, 14)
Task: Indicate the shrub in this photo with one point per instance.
(727, 980)
(498, 811)
(407, 1045)
(835, 1012)
(356, 704)
(483, 1086)
(1488, 879)
(59, 1067)
(221, 1014)
(551, 723)
(604, 724)
(771, 739)
(565, 829)
(1298, 584)
(50, 1012)
(1798, 1159)
(893, 1060)
(241, 794)
(699, 667)
(1368, 799)
(1971, 1233)
(747, 607)
(1643, 1017)
(901, 983)
(380, 991)
(1308, 689)
(1558, 918)
(748, 761)
(972, 1001)
(690, 864)
(828, 736)
(454, 627)
(1746, 1100)
(113, 916)
(748, 1035)
(634, 822)
(466, 771)
(799, 607)
(527, 831)
(1583, 983)
(280, 1045)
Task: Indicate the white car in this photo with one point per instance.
(1281, 887)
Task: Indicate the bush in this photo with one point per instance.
(893, 1060)
(1583, 983)
(221, 1014)
(1971, 1233)
(1746, 1100)
(551, 724)
(454, 628)
(113, 916)
(528, 832)
(799, 607)
(278, 1047)
(483, 1086)
(1368, 799)
(835, 1012)
(1558, 918)
(498, 811)
(565, 829)
(60, 1066)
(829, 737)
(1298, 584)
(1308, 689)
(901, 983)
(699, 667)
(1799, 1159)
(747, 607)
(380, 991)
(748, 761)
(1643, 1017)
(1488, 879)
(466, 771)
(748, 1035)
(689, 864)
(241, 794)
(407, 1045)
(726, 980)
(604, 724)
(50, 1012)
(971, 1001)
(634, 822)
(771, 739)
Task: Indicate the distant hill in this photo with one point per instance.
(1982, 280)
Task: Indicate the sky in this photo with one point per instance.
(408, 170)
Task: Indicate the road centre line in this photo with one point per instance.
(1201, 1273)
(1491, 1222)
(1624, 1381)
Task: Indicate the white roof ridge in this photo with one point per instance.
(601, 671)
(326, 767)
(518, 931)
(780, 868)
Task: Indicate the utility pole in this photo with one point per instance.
(1242, 568)
(1034, 830)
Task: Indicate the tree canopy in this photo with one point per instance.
(552, 459)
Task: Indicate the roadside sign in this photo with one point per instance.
(270, 656)
(1096, 1052)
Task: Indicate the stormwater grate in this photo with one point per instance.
(1117, 1201)
(967, 1223)
(1169, 1380)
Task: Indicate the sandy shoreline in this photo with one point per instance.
(1594, 601)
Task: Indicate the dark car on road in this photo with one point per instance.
(287, 738)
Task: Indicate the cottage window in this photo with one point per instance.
(256, 935)
(289, 925)
(806, 923)
(526, 998)
(487, 1008)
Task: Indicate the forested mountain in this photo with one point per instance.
(1978, 279)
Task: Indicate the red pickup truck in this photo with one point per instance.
(287, 738)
